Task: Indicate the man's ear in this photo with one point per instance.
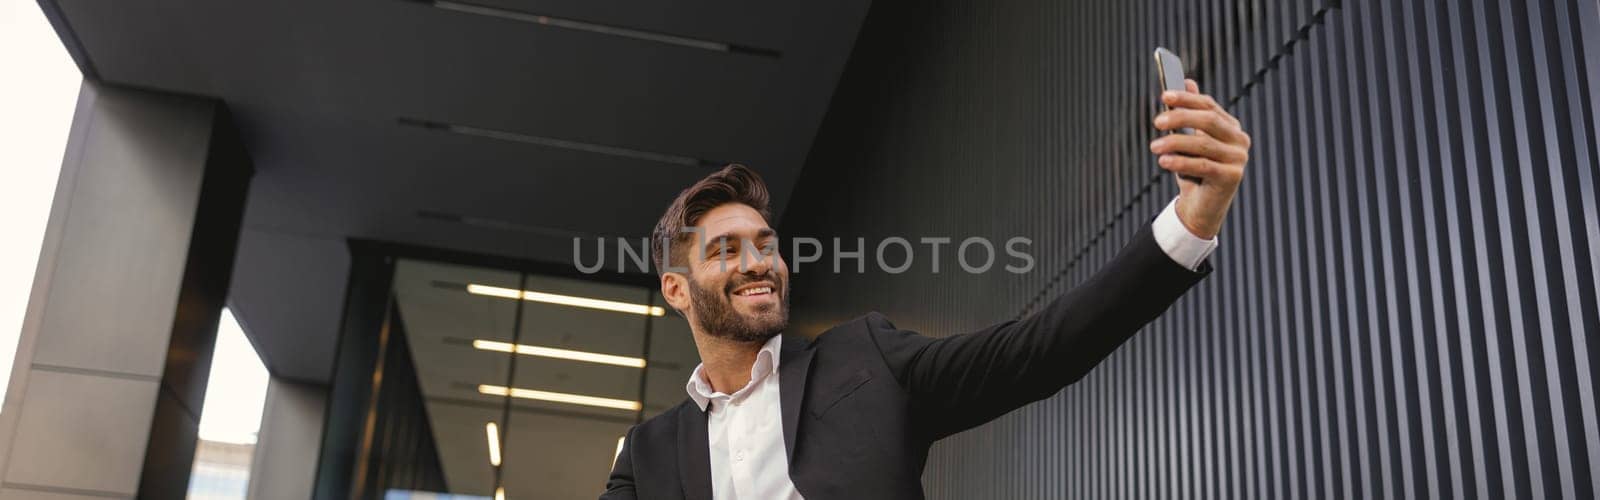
(675, 287)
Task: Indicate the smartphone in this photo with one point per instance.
(1169, 72)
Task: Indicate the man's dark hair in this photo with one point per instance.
(734, 183)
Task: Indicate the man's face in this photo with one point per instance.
(738, 284)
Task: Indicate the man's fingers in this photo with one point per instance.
(1203, 168)
(1217, 124)
(1201, 146)
(1214, 123)
(1193, 98)
(1189, 100)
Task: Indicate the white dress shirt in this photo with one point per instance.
(745, 429)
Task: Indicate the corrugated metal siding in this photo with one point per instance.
(1405, 292)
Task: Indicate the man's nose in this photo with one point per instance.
(756, 263)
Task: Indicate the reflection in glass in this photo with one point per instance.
(441, 321)
(530, 382)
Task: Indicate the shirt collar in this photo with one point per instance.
(766, 364)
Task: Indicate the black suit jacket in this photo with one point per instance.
(864, 400)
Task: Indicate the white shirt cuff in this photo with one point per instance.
(1183, 246)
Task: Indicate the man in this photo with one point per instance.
(851, 414)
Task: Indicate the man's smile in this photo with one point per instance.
(760, 291)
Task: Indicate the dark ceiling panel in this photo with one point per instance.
(319, 90)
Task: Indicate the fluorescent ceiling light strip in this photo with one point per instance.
(494, 443)
(566, 300)
(551, 352)
(573, 24)
(560, 397)
(494, 291)
(503, 225)
(576, 146)
(552, 142)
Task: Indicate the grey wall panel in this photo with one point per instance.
(1405, 292)
(291, 431)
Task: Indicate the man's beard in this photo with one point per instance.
(714, 312)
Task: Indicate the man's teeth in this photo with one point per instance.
(757, 290)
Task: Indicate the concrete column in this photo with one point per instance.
(285, 462)
(111, 366)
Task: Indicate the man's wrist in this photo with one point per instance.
(1178, 240)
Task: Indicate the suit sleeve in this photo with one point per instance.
(620, 485)
(961, 381)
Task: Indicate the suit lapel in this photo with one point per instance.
(793, 367)
(694, 453)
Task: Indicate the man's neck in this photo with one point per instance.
(727, 362)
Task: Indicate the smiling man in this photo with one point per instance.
(851, 413)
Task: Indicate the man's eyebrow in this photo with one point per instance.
(765, 232)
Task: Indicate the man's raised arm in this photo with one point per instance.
(961, 381)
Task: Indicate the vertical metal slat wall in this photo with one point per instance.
(1404, 296)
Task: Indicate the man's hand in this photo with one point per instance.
(1216, 153)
